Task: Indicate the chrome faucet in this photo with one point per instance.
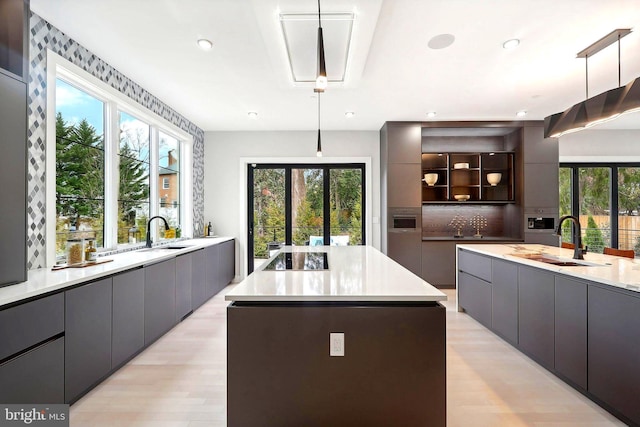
(166, 227)
(577, 239)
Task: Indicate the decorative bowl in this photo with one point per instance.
(462, 197)
(461, 165)
(494, 178)
(431, 179)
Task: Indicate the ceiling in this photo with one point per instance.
(391, 75)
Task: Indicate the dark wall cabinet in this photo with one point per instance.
(87, 337)
(159, 299)
(14, 37)
(614, 349)
(128, 316)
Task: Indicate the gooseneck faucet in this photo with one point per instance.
(577, 239)
(166, 227)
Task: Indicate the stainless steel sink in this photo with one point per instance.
(554, 260)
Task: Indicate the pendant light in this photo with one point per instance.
(600, 108)
(319, 147)
(321, 75)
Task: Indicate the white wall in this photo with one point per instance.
(227, 153)
(600, 146)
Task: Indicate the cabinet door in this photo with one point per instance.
(404, 248)
(87, 337)
(571, 330)
(475, 264)
(614, 349)
(198, 278)
(159, 299)
(13, 161)
(439, 263)
(128, 316)
(183, 286)
(536, 293)
(537, 149)
(34, 377)
(404, 143)
(474, 296)
(404, 188)
(228, 261)
(213, 276)
(504, 314)
(540, 180)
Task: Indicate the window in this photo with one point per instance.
(112, 158)
(606, 197)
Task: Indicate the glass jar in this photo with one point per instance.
(75, 251)
(90, 251)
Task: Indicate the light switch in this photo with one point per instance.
(336, 344)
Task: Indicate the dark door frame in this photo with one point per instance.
(326, 200)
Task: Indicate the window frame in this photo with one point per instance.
(165, 184)
(114, 102)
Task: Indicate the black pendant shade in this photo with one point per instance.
(597, 109)
(321, 74)
(319, 146)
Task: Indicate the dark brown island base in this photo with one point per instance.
(359, 343)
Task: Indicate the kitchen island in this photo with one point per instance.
(580, 319)
(349, 338)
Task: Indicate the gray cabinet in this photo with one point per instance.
(571, 330)
(128, 316)
(228, 261)
(198, 278)
(13, 163)
(439, 263)
(159, 299)
(475, 264)
(614, 349)
(36, 376)
(474, 296)
(183, 286)
(536, 314)
(404, 143)
(541, 185)
(405, 187)
(212, 271)
(504, 306)
(87, 337)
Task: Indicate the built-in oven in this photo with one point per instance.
(540, 223)
(404, 238)
(540, 228)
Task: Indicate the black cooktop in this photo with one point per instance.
(299, 261)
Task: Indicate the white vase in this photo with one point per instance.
(494, 178)
(431, 179)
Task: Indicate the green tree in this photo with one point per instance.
(593, 236)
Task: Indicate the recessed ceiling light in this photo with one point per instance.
(441, 41)
(431, 114)
(252, 115)
(521, 113)
(510, 44)
(205, 44)
(349, 114)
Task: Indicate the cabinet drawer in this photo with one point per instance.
(475, 298)
(476, 265)
(36, 376)
(28, 324)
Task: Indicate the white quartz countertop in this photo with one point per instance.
(606, 269)
(356, 273)
(43, 280)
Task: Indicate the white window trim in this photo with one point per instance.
(114, 101)
(165, 183)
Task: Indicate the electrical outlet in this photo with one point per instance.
(336, 344)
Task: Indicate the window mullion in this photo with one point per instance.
(111, 178)
(154, 192)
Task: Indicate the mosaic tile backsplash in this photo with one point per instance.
(45, 36)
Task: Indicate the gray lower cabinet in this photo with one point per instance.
(128, 316)
(87, 337)
(438, 264)
(227, 261)
(198, 278)
(614, 349)
(212, 272)
(183, 286)
(474, 296)
(504, 307)
(536, 314)
(475, 264)
(36, 376)
(159, 299)
(571, 330)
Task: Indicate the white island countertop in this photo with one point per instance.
(610, 270)
(44, 281)
(355, 274)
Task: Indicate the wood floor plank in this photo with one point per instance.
(181, 381)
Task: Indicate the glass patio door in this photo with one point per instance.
(303, 205)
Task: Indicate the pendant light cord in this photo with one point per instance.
(319, 23)
(318, 110)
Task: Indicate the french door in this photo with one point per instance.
(303, 204)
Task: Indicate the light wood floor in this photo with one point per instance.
(181, 381)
